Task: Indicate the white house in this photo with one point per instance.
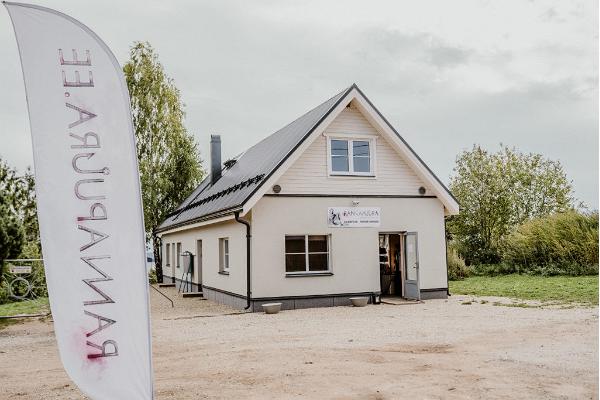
(335, 204)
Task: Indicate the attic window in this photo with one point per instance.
(351, 156)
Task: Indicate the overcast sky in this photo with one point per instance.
(446, 74)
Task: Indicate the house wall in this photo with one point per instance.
(354, 251)
(235, 282)
(309, 174)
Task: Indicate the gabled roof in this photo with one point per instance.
(257, 165)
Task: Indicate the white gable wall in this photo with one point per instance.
(354, 251)
(309, 174)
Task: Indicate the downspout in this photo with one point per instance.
(446, 243)
(248, 237)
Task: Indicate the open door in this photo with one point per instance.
(411, 267)
(390, 264)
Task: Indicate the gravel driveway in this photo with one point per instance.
(440, 349)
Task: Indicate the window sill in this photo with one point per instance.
(337, 175)
(223, 272)
(307, 274)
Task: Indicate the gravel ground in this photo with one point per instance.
(439, 349)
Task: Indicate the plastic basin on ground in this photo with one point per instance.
(271, 308)
(359, 301)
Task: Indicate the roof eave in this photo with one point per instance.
(212, 216)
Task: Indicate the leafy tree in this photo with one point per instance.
(18, 194)
(12, 235)
(537, 186)
(169, 162)
(18, 219)
(498, 191)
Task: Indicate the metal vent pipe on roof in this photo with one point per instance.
(215, 158)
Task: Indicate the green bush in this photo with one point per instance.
(457, 270)
(31, 250)
(562, 243)
(37, 278)
(4, 298)
(492, 269)
(152, 276)
(551, 269)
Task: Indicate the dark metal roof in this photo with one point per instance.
(239, 182)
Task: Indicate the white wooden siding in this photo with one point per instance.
(309, 174)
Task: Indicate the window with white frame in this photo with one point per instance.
(224, 255)
(173, 256)
(178, 255)
(306, 253)
(351, 156)
(168, 255)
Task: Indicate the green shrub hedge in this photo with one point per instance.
(563, 243)
(558, 244)
(457, 269)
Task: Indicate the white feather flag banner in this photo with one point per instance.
(89, 205)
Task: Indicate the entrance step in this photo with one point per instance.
(166, 285)
(191, 294)
(398, 301)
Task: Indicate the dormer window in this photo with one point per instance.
(351, 156)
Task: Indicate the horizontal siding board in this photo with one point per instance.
(309, 174)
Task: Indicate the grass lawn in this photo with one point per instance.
(560, 289)
(37, 306)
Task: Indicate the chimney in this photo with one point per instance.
(215, 158)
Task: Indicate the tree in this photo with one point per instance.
(12, 234)
(18, 194)
(498, 191)
(169, 162)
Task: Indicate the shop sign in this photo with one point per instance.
(353, 217)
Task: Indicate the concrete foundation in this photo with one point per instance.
(287, 303)
(428, 294)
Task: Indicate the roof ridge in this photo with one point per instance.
(301, 116)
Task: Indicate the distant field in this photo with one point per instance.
(561, 289)
(36, 306)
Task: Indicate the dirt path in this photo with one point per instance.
(436, 350)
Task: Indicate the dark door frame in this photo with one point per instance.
(401, 260)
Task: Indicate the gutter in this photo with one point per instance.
(248, 239)
(214, 215)
(446, 244)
